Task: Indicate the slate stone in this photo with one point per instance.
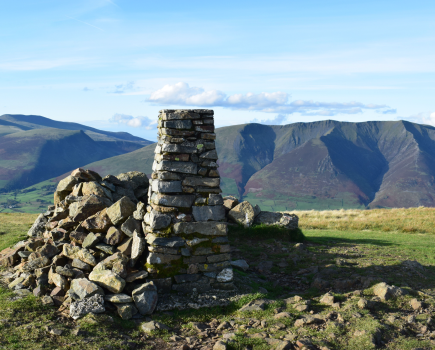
(157, 220)
(126, 311)
(207, 213)
(172, 242)
(48, 250)
(178, 124)
(226, 275)
(155, 258)
(201, 181)
(91, 240)
(131, 225)
(113, 236)
(81, 265)
(166, 186)
(138, 247)
(182, 201)
(108, 280)
(133, 179)
(204, 228)
(67, 184)
(136, 276)
(241, 264)
(209, 155)
(38, 227)
(88, 206)
(118, 298)
(106, 248)
(121, 210)
(145, 298)
(140, 211)
(242, 214)
(178, 114)
(94, 188)
(178, 167)
(98, 222)
(125, 246)
(84, 255)
(83, 288)
(215, 199)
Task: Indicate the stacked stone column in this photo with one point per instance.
(185, 223)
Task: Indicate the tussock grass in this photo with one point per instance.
(407, 220)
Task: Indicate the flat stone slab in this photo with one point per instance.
(203, 228)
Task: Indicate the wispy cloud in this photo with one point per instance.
(135, 122)
(86, 89)
(28, 64)
(88, 24)
(388, 111)
(268, 102)
(123, 88)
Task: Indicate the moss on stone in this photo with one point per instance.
(167, 270)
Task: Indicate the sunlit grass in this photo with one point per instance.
(412, 220)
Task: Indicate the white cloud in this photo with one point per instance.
(182, 94)
(278, 120)
(429, 119)
(421, 118)
(268, 102)
(135, 122)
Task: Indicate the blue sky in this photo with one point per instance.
(113, 64)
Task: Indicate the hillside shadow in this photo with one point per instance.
(365, 166)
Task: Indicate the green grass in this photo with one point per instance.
(33, 199)
(278, 202)
(371, 253)
(14, 227)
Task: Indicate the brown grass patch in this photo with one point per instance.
(410, 220)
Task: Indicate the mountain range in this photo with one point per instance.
(34, 148)
(318, 165)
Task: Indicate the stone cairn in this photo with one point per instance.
(185, 223)
(102, 247)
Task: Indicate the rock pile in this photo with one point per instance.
(85, 251)
(118, 241)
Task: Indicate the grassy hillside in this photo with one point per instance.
(29, 157)
(345, 250)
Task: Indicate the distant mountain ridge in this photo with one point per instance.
(318, 165)
(34, 148)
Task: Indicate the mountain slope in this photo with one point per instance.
(319, 165)
(32, 156)
(34, 148)
(28, 122)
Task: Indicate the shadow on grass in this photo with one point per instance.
(264, 232)
(346, 241)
